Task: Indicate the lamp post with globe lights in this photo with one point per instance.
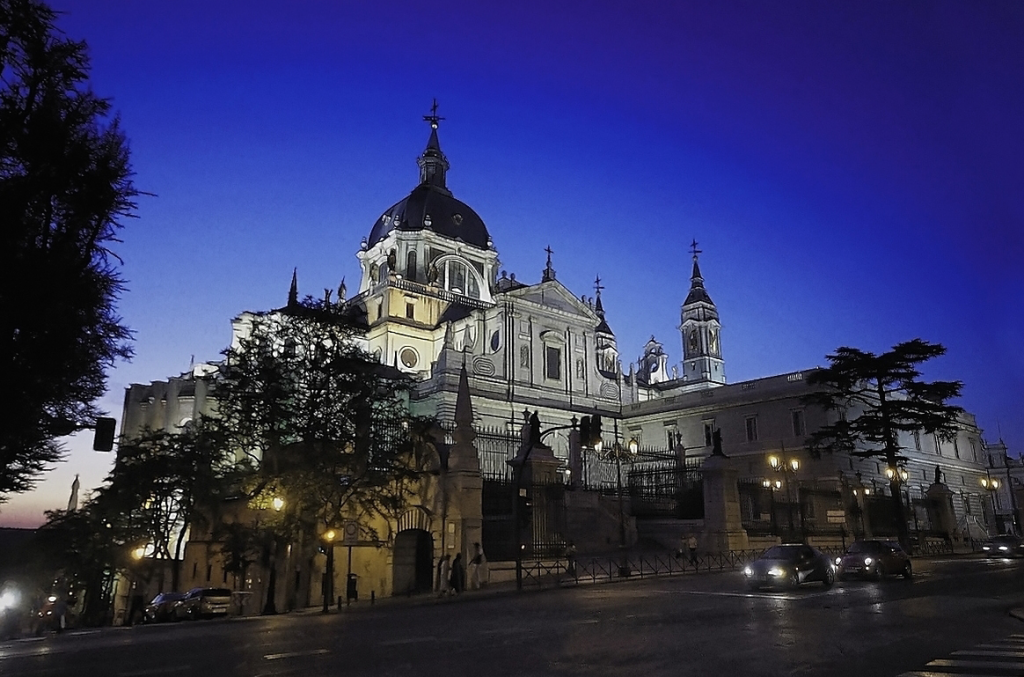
(620, 453)
(772, 486)
(898, 476)
(991, 485)
(787, 467)
(328, 587)
(270, 608)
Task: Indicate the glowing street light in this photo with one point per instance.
(328, 590)
(786, 467)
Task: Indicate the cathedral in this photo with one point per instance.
(434, 305)
(433, 299)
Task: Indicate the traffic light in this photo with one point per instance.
(595, 430)
(585, 431)
(104, 438)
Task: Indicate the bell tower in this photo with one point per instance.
(701, 333)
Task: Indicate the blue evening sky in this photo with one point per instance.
(853, 171)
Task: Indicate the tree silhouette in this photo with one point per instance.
(875, 398)
(65, 186)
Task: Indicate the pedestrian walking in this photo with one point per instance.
(570, 559)
(479, 571)
(691, 544)
(458, 575)
(443, 574)
(60, 610)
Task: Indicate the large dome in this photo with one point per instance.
(430, 207)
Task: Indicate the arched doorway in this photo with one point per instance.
(413, 562)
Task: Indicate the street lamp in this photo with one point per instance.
(786, 467)
(619, 453)
(270, 607)
(328, 587)
(772, 486)
(897, 476)
(991, 485)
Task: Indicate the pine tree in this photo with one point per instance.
(65, 186)
(875, 397)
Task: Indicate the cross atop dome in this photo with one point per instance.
(433, 164)
(693, 250)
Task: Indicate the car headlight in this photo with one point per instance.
(868, 561)
(776, 571)
(839, 561)
(8, 599)
(1003, 547)
(747, 571)
(985, 547)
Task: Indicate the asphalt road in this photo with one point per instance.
(953, 618)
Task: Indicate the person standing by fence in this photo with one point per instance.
(443, 573)
(479, 571)
(691, 545)
(458, 576)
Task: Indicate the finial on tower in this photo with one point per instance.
(433, 118)
(293, 290)
(693, 250)
(549, 272)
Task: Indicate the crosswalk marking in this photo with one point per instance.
(1002, 665)
(991, 659)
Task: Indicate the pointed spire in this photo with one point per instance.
(463, 456)
(293, 291)
(463, 403)
(695, 276)
(697, 291)
(432, 163)
(602, 326)
(549, 272)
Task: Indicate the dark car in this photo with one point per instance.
(789, 566)
(162, 607)
(874, 558)
(203, 603)
(1006, 545)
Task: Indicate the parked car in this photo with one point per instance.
(162, 607)
(203, 603)
(1006, 545)
(874, 558)
(789, 565)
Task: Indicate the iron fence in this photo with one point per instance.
(533, 525)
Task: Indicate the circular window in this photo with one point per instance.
(408, 357)
(457, 219)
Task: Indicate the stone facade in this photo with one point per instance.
(436, 306)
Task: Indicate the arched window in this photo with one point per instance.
(410, 266)
(458, 277)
